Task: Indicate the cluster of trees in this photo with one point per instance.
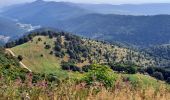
(125, 68)
(121, 68)
(71, 45)
(157, 72)
(70, 66)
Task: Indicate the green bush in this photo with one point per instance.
(100, 73)
(131, 70)
(20, 58)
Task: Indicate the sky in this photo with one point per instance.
(9, 2)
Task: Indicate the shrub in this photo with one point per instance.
(65, 66)
(117, 67)
(58, 48)
(101, 74)
(150, 70)
(51, 52)
(42, 55)
(59, 54)
(20, 58)
(47, 46)
(158, 75)
(39, 39)
(52, 78)
(70, 66)
(86, 68)
(168, 80)
(131, 70)
(36, 78)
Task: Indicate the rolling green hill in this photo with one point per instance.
(44, 52)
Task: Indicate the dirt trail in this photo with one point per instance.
(23, 65)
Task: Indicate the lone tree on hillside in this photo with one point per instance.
(47, 46)
(20, 58)
(39, 39)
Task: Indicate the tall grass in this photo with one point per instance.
(71, 90)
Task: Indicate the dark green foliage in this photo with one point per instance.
(85, 54)
(86, 68)
(52, 78)
(70, 66)
(158, 75)
(150, 70)
(141, 70)
(51, 52)
(47, 46)
(72, 54)
(39, 39)
(59, 54)
(168, 80)
(129, 69)
(36, 78)
(154, 71)
(20, 58)
(57, 48)
(42, 55)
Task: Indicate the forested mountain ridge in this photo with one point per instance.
(140, 30)
(136, 30)
(38, 12)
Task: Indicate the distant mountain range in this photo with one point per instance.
(99, 21)
(44, 13)
(129, 9)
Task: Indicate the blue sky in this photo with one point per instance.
(9, 2)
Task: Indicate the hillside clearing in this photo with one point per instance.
(37, 58)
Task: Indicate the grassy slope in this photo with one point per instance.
(32, 52)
